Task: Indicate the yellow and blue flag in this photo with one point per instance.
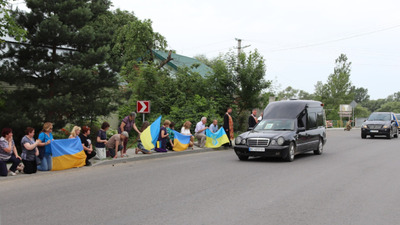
(67, 153)
(215, 140)
(396, 121)
(181, 141)
(150, 135)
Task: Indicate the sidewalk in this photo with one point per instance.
(134, 157)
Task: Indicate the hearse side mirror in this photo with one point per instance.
(301, 129)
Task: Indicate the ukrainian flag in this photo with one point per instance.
(215, 140)
(181, 141)
(67, 153)
(396, 121)
(150, 135)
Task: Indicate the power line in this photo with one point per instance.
(336, 40)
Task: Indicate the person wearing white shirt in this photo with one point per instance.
(186, 131)
(200, 132)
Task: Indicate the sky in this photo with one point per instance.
(299, 40)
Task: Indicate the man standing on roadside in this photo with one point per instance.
(253, 119)
(200, 132)
(228, 126)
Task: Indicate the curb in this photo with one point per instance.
(155, 155)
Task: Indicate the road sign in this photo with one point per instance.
(353, 104)
(143, 106)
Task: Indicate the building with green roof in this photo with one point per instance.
(180, 61)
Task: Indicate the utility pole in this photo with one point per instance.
(239, 48)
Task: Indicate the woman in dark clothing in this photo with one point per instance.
(163, 137)
(29, 151)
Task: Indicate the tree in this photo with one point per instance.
(361, 95)
(394, 97)
(221, 86)
(374, 105)
(288, 93)
(338, 89)
(248, 76)
(362, 112)
(61, 73)
(305, 95)
(8, 25)
(390, 107)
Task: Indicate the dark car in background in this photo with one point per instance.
(288, 128)
(380, 123)
(398, 119)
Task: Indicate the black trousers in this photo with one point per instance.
(112, 151)
(30, 166)
(89, 156)
(3, 165)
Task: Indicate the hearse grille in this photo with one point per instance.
(375, 126)
(252, 142)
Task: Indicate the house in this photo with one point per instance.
(180, 61)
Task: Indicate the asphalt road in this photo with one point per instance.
(354, 181)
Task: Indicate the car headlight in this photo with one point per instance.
(243, 142)
(238, 140)
(386, 126)
(280, 140)
(364, 126)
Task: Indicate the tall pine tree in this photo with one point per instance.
(61, 73)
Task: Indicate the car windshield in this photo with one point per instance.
(379, 117)
(279, 124)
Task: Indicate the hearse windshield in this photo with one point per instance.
(379, 117)
(277, 124)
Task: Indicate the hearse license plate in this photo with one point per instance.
(251, 149)
(374, 131)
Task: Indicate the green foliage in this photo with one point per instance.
(390, 107)
(361, 95)
(338, 89)
(135, 41)
(249, 72)
(374, 105)
(394, 97)
(8, 25)
(62, 86)
(362, 112)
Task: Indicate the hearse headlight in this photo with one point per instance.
(280, 140)
(238, 140)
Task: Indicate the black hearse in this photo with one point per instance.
(287, 129)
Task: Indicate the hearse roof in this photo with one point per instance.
(288, 109)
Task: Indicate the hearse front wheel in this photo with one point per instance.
(290, 156)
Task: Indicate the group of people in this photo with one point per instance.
(31, 157)
(36, 154)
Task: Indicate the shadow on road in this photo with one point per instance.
(278, 160)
